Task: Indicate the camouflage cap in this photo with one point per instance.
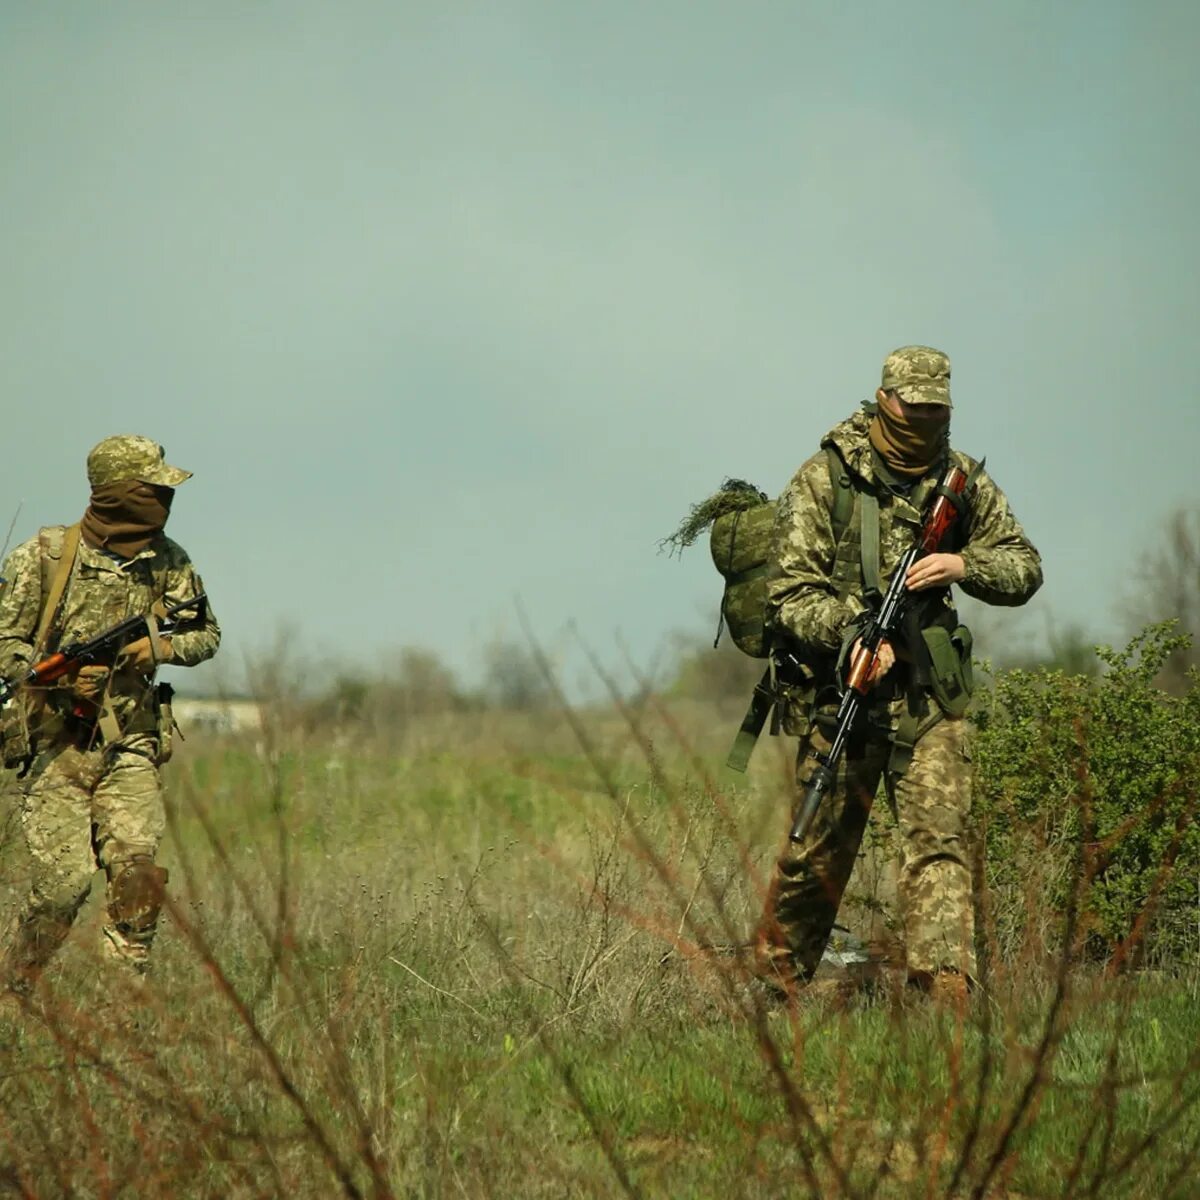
(127, 456)
(920, 374)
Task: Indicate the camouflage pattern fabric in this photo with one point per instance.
(127, 456)
(741, 548)
(83, 809)
(88, 803)
(1002, 565)
(930, 804)
(102, 590)
(920, 374)
(814, 594)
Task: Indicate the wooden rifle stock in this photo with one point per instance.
(945, 511)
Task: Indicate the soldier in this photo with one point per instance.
(886, 460)
(93, 743)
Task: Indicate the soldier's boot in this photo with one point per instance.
(950, 990)
(12, 1013)
(947, 988)
(35, 938)
(774, 964)
(776, 969)
(135, 897)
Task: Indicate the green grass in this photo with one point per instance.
(467, 971)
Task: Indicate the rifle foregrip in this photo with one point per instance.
(50, 669)
(859, 675)
(820, 783)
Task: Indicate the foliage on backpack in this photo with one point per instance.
(1101, 774)
(741, 518)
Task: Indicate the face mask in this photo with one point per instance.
(125, 517)
(911, 442)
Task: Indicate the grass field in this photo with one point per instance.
(467, 962)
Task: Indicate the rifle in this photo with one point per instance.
(103, 648)
(879, 627)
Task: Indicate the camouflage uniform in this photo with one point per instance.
(815, 594)
(89, 801)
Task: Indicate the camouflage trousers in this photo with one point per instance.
(84, 810)
(930, 802)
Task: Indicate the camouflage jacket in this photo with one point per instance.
(803, 599)
(101, 591)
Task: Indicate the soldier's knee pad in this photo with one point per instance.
(135, 894)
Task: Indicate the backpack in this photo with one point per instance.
(741, 520)
(57, 546)
(740, 544)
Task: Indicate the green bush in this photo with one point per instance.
(1088, 786)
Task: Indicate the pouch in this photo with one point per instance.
(14, 734)
(951, 676)
(164, 695)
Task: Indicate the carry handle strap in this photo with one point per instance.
(58, 586)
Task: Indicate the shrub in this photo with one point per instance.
(1095, 778)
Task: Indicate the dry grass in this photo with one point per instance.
(476, 961)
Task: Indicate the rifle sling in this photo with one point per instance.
(761, 703)
(58, 586)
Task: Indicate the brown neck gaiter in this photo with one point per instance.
(126, 517)
(910, 445)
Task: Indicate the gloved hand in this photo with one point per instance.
(87, 684)
(137, 655)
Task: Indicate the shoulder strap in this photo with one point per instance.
(58, 585)
(973, 475)
(962, 500)
(869, 547)
(843, 493)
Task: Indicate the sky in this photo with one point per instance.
(455, 308)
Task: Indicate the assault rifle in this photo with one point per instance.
(880, 626)
(104, 647)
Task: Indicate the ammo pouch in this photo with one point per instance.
(797, 688)
(951, 678)
(164, 694)
(786, 693)
(15, 747)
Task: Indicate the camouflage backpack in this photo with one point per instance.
(741, 519)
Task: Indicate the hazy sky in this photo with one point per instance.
(449, 304)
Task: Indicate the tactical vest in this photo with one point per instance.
(58, 547)
(940, 646)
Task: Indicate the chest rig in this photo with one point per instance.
(936, 651)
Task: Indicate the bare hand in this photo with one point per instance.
(87, 683)
(137, 655)
(935, 570)
(885, 659)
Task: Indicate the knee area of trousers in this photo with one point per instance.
(135, 893)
